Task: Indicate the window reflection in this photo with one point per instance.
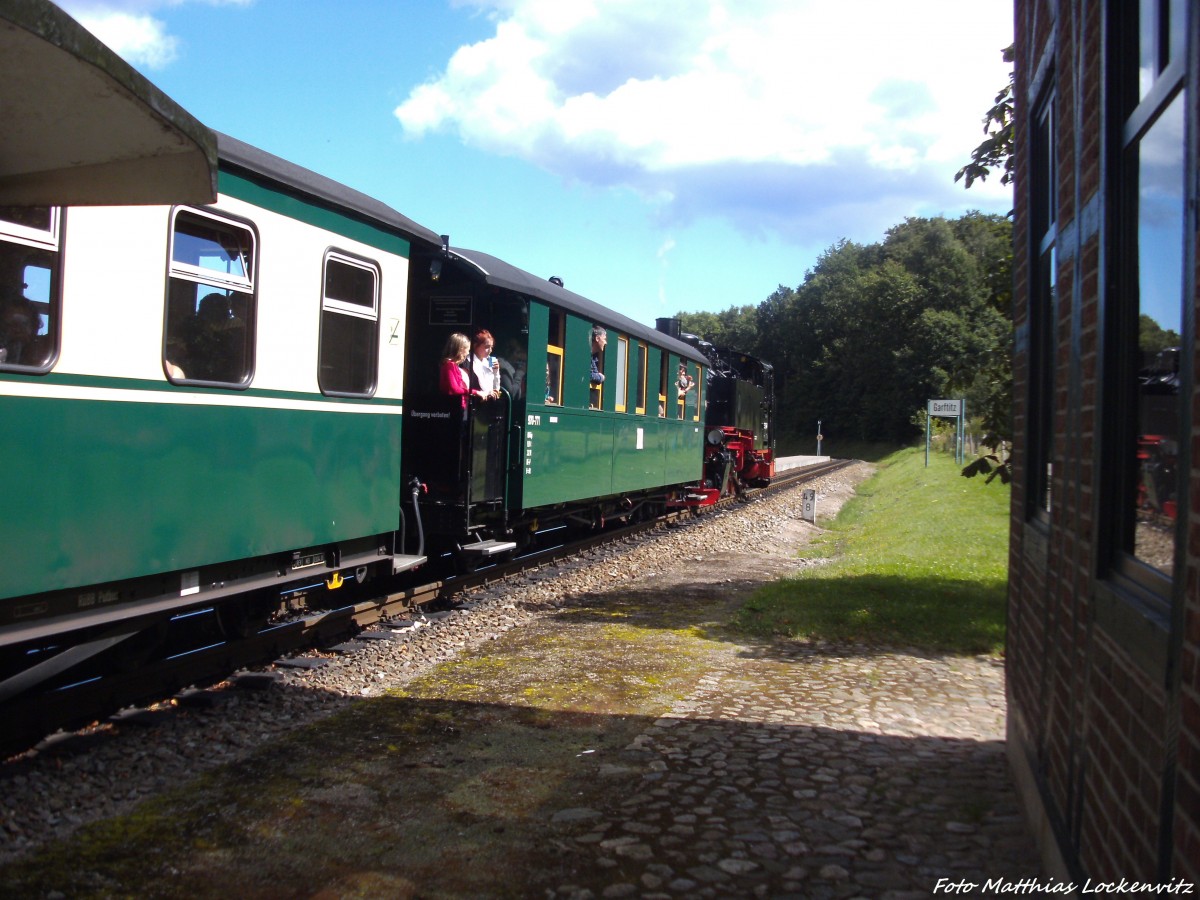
(1160, 209)
(29, 267)
(349, 320)
(209, 334)
(1043, 315)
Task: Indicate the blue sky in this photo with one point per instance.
(675, 155)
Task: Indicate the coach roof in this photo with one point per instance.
(240, 155)
(503, 275)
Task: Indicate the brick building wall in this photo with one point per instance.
(1103, 658)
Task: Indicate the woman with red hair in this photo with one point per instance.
(485, 368)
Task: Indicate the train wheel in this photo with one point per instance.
(138, 649)
(465, 563)
(246, 616)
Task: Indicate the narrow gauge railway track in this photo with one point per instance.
(31, 718)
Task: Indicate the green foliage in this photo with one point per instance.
(1152, 337)
(994, 386)
(736, 327)
(991, 465)
(876, 330)
(996, 150)
(919, 559)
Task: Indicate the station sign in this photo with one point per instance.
(948, 409)
(945, 408)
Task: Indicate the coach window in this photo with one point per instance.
(681, 389)
(29, 267)
(620, 396)
(554, 358)
(639, 384)
(598, 342)
(209, 335)
(1147, 311)
(687, 389)
(349, 326)
(555, 341)
(664, 383)
(698, 378)
(1043, 311)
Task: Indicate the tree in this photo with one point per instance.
(876, 330)
(1152, 337)
(735, 327)
(996, 151)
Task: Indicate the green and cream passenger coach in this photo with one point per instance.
(202, 406)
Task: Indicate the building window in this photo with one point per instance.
(29, 277)
(1043, 311)
(1147, 310)
(209, 335)
(349, 326)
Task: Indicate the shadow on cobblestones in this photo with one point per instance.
(589, 756)
(418, 797)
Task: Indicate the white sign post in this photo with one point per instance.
(948, 409)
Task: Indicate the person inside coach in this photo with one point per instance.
(599, 342)
(512, 370)
(686, 382)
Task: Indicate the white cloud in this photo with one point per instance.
(140, 40)
(730, 107)
(129, 29)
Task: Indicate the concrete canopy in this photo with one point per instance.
(82, 127)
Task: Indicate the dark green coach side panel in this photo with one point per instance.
(639, 454)
(568, 455)
(649, 452)
(685, 452)
(577, 454)
(100, 490)
(570, 452)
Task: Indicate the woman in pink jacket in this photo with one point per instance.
(452, 378)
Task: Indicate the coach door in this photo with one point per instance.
(487, 452)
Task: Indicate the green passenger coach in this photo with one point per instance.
(225, 398)
(559, 446)
(209, 401)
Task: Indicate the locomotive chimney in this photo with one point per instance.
(668, 326)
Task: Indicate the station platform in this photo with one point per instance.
(784, 463)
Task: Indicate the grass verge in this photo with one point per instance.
(918, 558)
